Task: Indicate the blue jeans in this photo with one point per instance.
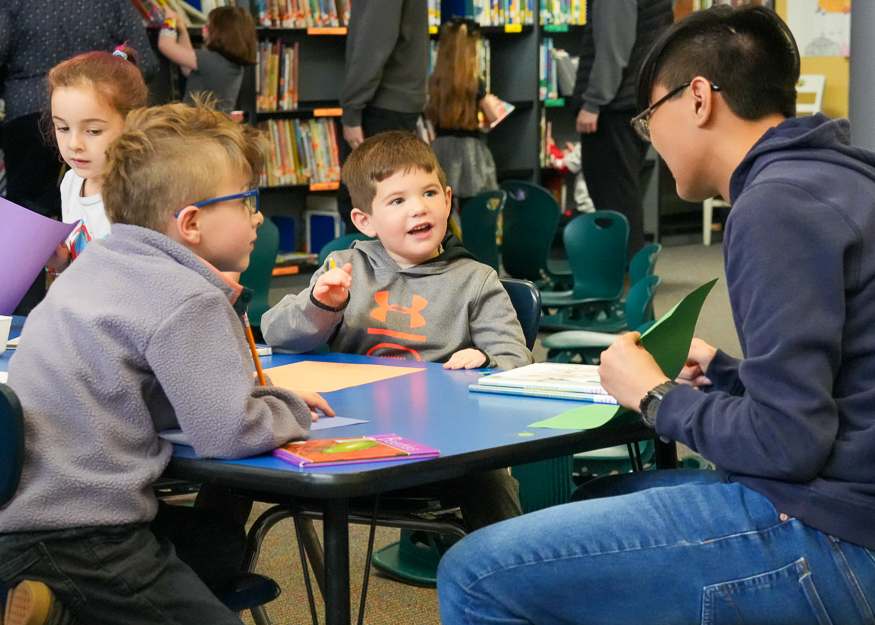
(694, 549)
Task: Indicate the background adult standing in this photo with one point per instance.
(616, 39)
(386, 72)
(34, 37)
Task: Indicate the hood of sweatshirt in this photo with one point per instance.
(453, 250)
(813, 138)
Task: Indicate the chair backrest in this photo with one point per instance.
(341, 243)
(811, 87)
(11, 443)
(643, 264)
(529, 220)
(480, 226)
(596, 247)
(526, 300)
(639, 302)
(258, 275)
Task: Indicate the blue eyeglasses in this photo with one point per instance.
(252, 200)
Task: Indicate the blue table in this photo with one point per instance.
(473, 431)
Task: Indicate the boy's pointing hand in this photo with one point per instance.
(332, 287)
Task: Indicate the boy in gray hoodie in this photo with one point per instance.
(412, 294)
(141, 335)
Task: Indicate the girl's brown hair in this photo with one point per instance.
(453, 86)
(232, 34)
(113, 76)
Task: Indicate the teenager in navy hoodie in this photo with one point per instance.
(784, 530)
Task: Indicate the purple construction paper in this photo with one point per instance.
(27, 241)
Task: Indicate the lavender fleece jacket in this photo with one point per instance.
(138, 335)
(425, 312)
(795, 420)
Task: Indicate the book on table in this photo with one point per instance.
(353, 450)
(548, 379)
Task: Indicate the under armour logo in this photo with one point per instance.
(382, 299)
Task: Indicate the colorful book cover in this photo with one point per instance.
(355, 450)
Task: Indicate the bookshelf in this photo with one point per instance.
(320, 52)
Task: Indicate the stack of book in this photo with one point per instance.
(548, 379)
(302, 13)
(153, 12)
(277, 72)
(549, 84)
(301, 151)
(500, 12)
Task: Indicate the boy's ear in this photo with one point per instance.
(186, 227)
(362, 221)
(703, 97)
(449, 198)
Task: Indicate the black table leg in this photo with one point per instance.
(666, 455)
(336, 536)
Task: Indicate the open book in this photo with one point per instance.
(548, 379)
(353, 450)
(492, 111)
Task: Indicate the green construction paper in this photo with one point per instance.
(668, 340)
(584, 418)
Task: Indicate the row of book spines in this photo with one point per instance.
(502, 12)
(277, 71)
(563, 12)
(548, 89)
(434, 13)
(302, 13)
(301, 151)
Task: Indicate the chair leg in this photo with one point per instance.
(259, 615)
(707, 219)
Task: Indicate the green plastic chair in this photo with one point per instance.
(585, 346)
(258, 275)
(480, 218)
(596, 247)
(341, 243)
(644, 262)
(529, 220)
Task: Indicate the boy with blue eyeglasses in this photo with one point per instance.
(783, 531)
(142, 333)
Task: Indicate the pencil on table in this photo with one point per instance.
(252, 347)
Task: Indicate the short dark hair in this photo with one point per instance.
(748, 52)
(382, 156)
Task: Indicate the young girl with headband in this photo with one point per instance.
(91, 94)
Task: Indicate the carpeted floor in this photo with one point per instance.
(391, 603)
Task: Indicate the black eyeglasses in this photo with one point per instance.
(251, 200)
(641, 122)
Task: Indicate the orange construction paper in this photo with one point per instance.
(324, 377)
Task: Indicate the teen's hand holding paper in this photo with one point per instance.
(693, 373)
(628, 371)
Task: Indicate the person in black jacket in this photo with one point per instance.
(616, 38)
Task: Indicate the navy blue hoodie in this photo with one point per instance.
(795, 420)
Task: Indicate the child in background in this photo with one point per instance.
(91, 94)
(455, 94)
(411, 294)
(139, 335)
(231, 43)
(568, 161)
